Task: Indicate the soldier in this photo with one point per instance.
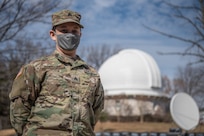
(57, 95)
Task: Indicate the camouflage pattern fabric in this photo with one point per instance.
(56, 95)
(65, 16)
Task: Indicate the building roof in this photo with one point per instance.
(131, 72)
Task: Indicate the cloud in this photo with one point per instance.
(104, 3)
(120, 22)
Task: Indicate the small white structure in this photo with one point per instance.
(132, 84)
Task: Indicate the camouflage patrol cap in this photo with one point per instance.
(65, 16)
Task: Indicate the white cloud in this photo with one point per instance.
(119, 22)
(104, 3)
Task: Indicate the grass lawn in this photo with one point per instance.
(127, 127)
(139, 127)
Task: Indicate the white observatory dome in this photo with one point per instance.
(131, 72)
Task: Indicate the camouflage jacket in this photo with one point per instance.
(56, 95)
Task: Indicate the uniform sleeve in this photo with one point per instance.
(99, 101)
(22, 97)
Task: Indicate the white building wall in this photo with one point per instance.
(132, 107)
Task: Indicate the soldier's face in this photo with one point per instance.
(72, 28)
(69, 27)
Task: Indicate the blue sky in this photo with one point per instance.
(120, 23)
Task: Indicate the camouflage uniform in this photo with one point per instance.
(56, 95)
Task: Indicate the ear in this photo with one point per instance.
(53, 35)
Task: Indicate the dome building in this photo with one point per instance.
(132, 84)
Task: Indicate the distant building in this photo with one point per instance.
(132, 84)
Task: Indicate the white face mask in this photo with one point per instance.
(68, 41)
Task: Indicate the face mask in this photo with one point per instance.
(68, 41)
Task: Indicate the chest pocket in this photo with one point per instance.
(85, 86)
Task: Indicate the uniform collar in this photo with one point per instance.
(74, 62)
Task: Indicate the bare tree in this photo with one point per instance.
(191, 80)
(17, 14)
(18, 44)
(195, 22)
(21, 52)
(166, 85)
(96, 55)
(144, 109)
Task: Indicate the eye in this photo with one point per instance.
(64, 31)
(74, 31)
